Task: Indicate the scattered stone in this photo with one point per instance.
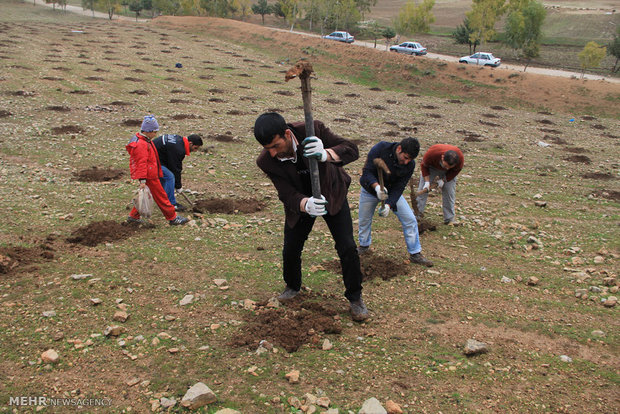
(293, 376)
(566, 358)
(609, 281)
(227, 411)
(133, 381)
(294, 402)
(506, 280)
(49, 314)
(167, 402)
(80, 277)
(323, 402)
(581, 292)
(327, 345)
(372, 406)
(58, 336)
(595, 289)
(540, 203)
(248, 304)
(187, 299)
(533, 281)
(273, 303)
(576, 260)
(599, 259)
(611, 302)
(473, 347)
(50, 356)
(113, 330)
(120, 316)
(598, 333)
(173, 350)
(220, 282)
(393, 408)
(95, 301)
(197, 396)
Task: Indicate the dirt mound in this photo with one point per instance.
(301, 321)
(373, 266)
(4, 114)
(67, 129)
(58, 108)
(228, 206)
(15, 258)
(608, 194)
(599, 176)
(227, 137)
(132, 122)
(179, 117)
(98, 174)
(425, 225)
(579, 158)
(102, 231)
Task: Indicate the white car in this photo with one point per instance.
(341, 37)
(481, 58)
(410, 48)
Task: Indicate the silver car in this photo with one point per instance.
(340, 37)
(410, 48)
(481, 58)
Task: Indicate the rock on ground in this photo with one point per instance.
(197, 396)
(473, 347)
(372, 406)
(50, 356)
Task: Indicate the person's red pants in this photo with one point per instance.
(161, 199)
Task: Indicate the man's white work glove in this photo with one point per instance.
(384, 211)
(440, 184)
(316, 206)
(382, 194)
(427, 186)
(313, 148)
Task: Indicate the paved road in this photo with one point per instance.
(504, 66)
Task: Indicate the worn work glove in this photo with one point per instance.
(313, 148)
(382, 194)
(427, 186)
(316, 206)
(440, 184)
(384, 211)
(142, 183)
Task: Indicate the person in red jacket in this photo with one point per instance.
(144, 166)
(444, 162)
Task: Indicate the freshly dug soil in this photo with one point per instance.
(299, 322)
(94, 173)
(15, 258)
(373, 266)
(228, 206)
(101, 232)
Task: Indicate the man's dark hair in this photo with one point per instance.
(267, 126)
(195, 139)
(451, 157)
(410, 146)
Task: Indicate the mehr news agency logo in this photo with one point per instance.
(59, 402)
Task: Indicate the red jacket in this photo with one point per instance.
(433, 156)
(143, 158)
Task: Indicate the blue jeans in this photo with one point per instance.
(368, 204)
(167, 181)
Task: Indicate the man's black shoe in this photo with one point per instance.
(288, 294)
(179, 220)
(180, 207)
(417, 258)
(359, 312)
(363, 250)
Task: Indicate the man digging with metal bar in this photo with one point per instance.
(388, 168)
(285, 160)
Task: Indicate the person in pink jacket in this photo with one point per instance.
(144, 166)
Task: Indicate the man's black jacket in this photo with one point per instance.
(172, 150)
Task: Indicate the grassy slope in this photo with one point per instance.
(411, 351)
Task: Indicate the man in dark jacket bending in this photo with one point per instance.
(285, 161)
(399, 159)
(172, 149)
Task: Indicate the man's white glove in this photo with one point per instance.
(382, 194)
(316, 206)
(440, 184)
(313, 148)
(384, 211)
(427, 186)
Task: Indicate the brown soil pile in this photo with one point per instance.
(15, 258)
(301, 321)
(95, 174)
(228, 206)
(102, 232)
(373, 266)
(608, 194)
